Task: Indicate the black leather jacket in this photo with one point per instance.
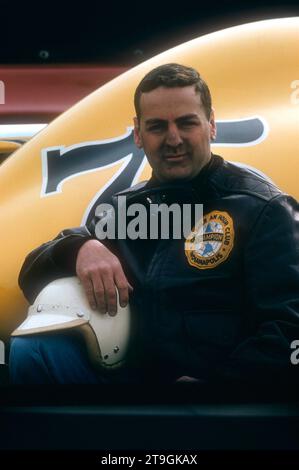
(226, 311)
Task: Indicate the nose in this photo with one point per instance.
(173, 136)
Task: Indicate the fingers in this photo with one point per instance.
(123, 287)
(99, 294)
(89, 291)
(110, 295)
(130, 287)
(102, 277)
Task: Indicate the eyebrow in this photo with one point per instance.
(180, 118)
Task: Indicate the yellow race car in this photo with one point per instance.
(59, 176)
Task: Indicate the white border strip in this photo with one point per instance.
(64, 150)
(20, 130)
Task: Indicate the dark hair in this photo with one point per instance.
(170, 76)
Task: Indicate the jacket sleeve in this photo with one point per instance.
(57, 258)
(52, 260)
(272, 274)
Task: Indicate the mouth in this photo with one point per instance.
(176, 158)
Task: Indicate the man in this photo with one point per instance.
(223, 310)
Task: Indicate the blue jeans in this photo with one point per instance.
(58, 358)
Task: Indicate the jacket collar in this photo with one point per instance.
(198, 183)
(153, 190)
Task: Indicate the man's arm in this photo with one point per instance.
(272, 274)
(76, 251)
(52, 260)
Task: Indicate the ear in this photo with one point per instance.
(213, 128)
(137, 136)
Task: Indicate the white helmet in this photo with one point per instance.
(63, 304)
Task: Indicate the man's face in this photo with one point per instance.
(174, 132)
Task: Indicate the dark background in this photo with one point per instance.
(123, 33)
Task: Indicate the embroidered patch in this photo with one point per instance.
(211, 241)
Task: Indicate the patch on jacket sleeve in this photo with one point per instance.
(211, 241)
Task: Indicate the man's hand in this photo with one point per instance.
(101, 274)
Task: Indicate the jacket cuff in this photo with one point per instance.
(66, 252)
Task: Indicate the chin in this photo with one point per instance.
(179, 176)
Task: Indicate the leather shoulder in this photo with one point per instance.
(237, 178)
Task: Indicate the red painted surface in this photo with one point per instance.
(40, 93)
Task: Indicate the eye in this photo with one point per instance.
(157, 127)
(189, 123)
